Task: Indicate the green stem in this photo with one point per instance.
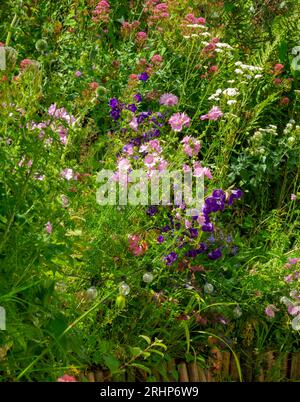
(8, 38)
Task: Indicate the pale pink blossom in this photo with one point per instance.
(67, 174)
(270, 310)
(214, 114)
(168, 100)
(191, 146)
(134, 125)
(48, 227)
(178, 120)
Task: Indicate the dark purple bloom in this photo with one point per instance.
(193, 233)
(193, 253)
(202, 247)
(113, 103)
(132, 107)
(143, 76)
(219, 194)
(177, 226)
(138, 97)
(151, 211)
(165, 228)
(215, 254)
(170, 258)
(207, 227)
(160, 239)
(235, 194)
(115, 114)
(214, 204)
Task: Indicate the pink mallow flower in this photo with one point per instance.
(178, 120)
(191, 146)
(66, 378)
(168, 100)
(293, 197)
(134, 125)
(67, 174)
(48, 227)
(214, 114)
(201, 171)
(270, 310)
(136, 245)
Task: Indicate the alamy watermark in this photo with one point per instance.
(2, 58)
(138, 187)
(296, 60)
(2, 319)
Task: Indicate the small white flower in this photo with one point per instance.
(258, 76)
(231, 92)
(238, 71)
(231, 102)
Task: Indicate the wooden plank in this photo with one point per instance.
(269, 356)
(295, 367)
(90, 376)
(99, 376)
(225, 365)
(234, 374)
(201, 374)
(193, 372)
(209, 376)
(183, 373)
(284, 367)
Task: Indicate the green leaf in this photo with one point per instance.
(147, 339)
(112, 363)
(136, 351)
(158, 352)
(141, 367)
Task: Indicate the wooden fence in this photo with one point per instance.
(220, 367)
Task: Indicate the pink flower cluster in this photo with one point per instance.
(61, 114)
(168, 100)
(141, 38)
(136, 245)
(158, 11)
(153, 160)
(190, 18)
(127, 28)
(178, 120)
(25, 63)
(294, 275)
(199, 170)
(191, 146)
(214, 114)
(211, 46)
(66, 378)
(156, 59)
(101, 12)
(121, 175)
